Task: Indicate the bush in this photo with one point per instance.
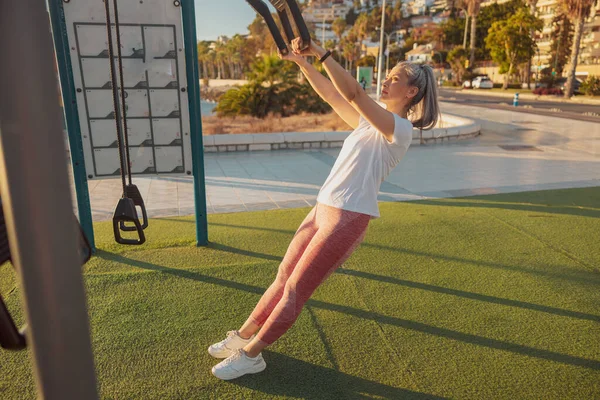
(547, 91)
(469, 75)
(282, 99)
(450, 83)
(305, 99)
(591, 86)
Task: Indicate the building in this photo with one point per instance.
(418, 7)
(486, 3)
(322, 14)
(420, 20)
(441, 17)
(421, 54)
(442, 5)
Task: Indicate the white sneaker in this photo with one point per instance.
(239, 364)
(225, 347)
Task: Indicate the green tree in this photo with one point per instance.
(272, 89)
(203, 57)
(457, 57)
(561, 41)
(259, 34)
(577, 11)
(361, 27)
(339, 27)
(270, 70)
(452, 31)
(510, 43)
(366, 61)
(487, 16)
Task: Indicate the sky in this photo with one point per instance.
(222, 17)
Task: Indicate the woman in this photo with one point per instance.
(346, 202)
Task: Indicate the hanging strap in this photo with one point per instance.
(125, 210)
(122, 81)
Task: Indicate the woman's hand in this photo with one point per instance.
(290, 56)
(297, 53)
(296, 48)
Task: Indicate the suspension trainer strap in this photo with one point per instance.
(123, 105)
(115, 93)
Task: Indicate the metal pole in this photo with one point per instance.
(188, 14)
(323, 31)
(380, 65)
(465, 36)
(65, 70)
(37, 203)
(387, 57)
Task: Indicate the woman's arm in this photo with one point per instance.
(326, 90)
(349, 88)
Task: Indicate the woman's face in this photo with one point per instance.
(395, 88)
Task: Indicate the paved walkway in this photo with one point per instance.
(565, 154)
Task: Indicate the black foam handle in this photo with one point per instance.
(134, 194)
(125, 212)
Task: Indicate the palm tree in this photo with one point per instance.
(532, 9)
(203, 57)
(339, 27)
(221, 56)
(473, 7)
(464, 5)
(361, 27)
(577, 11)
(270, 69)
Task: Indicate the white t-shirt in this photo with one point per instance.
(364, 162)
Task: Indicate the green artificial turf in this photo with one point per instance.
(486, 297)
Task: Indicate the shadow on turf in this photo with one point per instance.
(287, 376)
(527, 204)
(470, 295)
(369, 315)
(579, 276)
(432, 288)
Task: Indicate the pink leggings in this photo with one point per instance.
(324, 240)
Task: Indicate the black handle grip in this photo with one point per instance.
(10, 337)
(134, 194)
(125, 212)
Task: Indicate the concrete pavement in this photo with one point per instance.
(558, 153)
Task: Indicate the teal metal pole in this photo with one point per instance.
(65, 69)
(193, 89)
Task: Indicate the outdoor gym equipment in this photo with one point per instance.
(126, 207)
(283, 7)
(151, 102)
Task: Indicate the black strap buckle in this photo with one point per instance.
(125, 212)
(134, 194)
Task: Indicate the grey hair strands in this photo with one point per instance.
(424, 110)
